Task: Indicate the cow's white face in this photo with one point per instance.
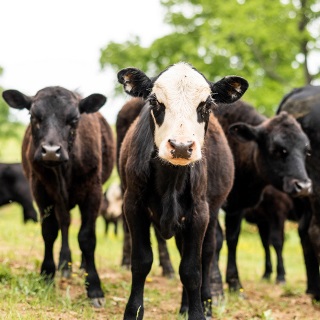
(180, 100)
(179, 131)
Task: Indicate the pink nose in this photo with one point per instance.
(181, 150)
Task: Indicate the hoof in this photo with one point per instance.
(207, 308)
(235, 286)
(98, 302)
(168, 273)
(239, 293)
(184, 311)
(242, 294)
(266, 276)
(281, 281)
(315, 299)
(66, 274)
(218, 300)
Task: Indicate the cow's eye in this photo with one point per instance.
(73, 121)
(280, 152)
(203, 111)
(308, 151)
(157, 109)
(35, 120)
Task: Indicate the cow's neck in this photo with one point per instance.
(61, 177)
(170, 178)
(174, 191)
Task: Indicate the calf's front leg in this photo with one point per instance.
(141, 258)
(87, 242)
(190, 267)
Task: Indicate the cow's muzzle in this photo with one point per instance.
(181, 150)
(52, 153)
(297, 188)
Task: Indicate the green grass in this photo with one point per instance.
(24, 295)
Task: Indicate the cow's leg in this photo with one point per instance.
(233, 227)
(49, 228)
(141, 256)
(165, 262)
(264, 232)
(313, 235)
(216, 279)
(65, 262)
(277, 240)
(116, 227)
(314, 228)
(89, 209)
(29, 213)
(184, 298)
(106, 224)
(310, 259)
(208, 256)
(190, 267)
(25, 199)
(126, 249)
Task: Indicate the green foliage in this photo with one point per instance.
(8, 128)
(266, 42)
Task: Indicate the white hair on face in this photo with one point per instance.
(181, 89)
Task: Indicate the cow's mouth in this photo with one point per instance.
(51, 164)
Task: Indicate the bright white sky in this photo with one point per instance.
(47, 43)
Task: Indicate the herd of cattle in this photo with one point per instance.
(186, 147)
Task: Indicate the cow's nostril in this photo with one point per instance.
(51, 153)
(181, 150)
(172, 143)
(303, 187)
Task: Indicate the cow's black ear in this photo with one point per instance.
(92, 103)
(229, 89)
(243, 132)
(135, 82)
(16, 99)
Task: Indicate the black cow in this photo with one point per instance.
(270, 214)
(125, 118)
(176, 169)
(266, 151)
(304, 104)
(14, 187)
(67, 154)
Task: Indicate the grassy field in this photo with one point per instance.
(23, 294)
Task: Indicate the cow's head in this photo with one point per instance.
(180, 99)
(55, 113)
(280, 154)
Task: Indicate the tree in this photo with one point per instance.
(8, 128)
(266, 42)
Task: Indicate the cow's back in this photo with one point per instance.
(238, 111)
(229, 114)
(219, 162)
(108, 148)
(126, 116)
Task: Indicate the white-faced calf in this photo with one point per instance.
(176, 169)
